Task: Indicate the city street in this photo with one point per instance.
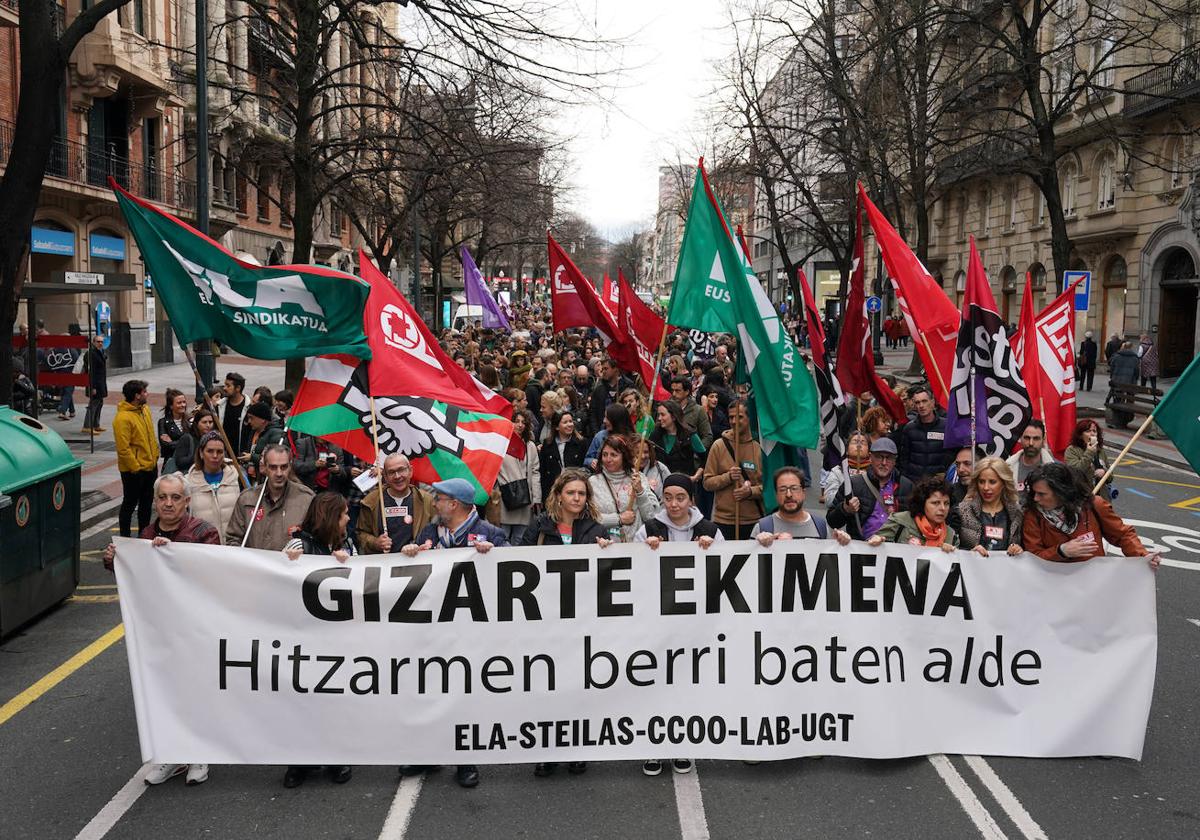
(72, 766)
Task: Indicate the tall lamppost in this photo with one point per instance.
(205, 363)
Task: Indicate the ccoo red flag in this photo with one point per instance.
(573, 299)
(611, 295)
(855, 366)
(932, 319)
(644, 331)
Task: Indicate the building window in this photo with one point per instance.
(1011, 205)
(1068, 186)
(1106, 188)
(1041, 207)
(1174, 173)
(1103, 64)
(985, 206)
(962, 215)
(1060, 82)
(263, 200)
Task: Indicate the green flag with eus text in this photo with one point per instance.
(272, 312)
(715, 290)
(1179, 414)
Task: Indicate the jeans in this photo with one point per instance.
(514, 533)
(66, 400)
(138, 492)
(91, 418)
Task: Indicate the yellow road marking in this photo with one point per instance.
(91, 553)
(1131, 462)
(60, 673)
(1188, 504)
(94, 599)
(99, 586)
(1157, 481)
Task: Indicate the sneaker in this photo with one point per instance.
(197, 774)
(651, 767)
(681, 765)
(159, 773)
(99, 429)
(62, 416)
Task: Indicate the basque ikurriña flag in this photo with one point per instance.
(985, 361)
(264, 312)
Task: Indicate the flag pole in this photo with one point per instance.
(1108, 474)
(737, 504)
(937, 372)
(971, 385)
(261, 491)
(379, 483)
(242, 477)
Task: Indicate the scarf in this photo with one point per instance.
(1061, 519)
(930, 534)
(516, 447)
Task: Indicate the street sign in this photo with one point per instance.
(84, 278)
(874, 304)
(1083, 292)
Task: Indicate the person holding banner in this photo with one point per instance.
(791, 520)
(406, 510)
(264, 516)
(989, 518)
(924, 523)
(623, 495)
(570, 518)
(1065, 523)
(173, 522)
(873, 497)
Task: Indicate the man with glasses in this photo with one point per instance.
(693, 415)
(873, 497)
(791, 520)
(406, 510)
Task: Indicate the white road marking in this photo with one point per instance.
(966, 797)
(400, 814)
(99, 528)
(693, 824)
(1006, 798)
(108, 816)
(1195, 621)
(1180, 564)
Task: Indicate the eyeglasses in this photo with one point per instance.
(790, 490)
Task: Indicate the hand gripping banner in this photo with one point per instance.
(581, 653)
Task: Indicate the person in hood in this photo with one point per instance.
(678, 521)
(791, 520)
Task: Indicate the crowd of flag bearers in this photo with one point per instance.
(574, 424)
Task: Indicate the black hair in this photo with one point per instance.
(683, 382)
(1037, 424)
(789, 470)
(925, 488)
(132, 388)
(237, 379)
(1064, 483)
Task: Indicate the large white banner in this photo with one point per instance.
(576, 653)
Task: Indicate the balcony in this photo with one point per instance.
(1176, 81)
(270, 118)
(992, 156)
(111, 59)
(78, 164)
(268, 44)
(9, 16)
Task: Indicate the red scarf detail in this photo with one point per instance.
(931, 535)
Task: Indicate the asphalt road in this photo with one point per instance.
(70, 764)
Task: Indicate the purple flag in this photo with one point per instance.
(478, 294)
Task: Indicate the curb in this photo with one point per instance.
(97, 511)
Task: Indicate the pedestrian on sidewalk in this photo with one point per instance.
(1088, 353)
(137, 455)
(1148, 366)
(97, 388)
(1111, 348)
(66, 395)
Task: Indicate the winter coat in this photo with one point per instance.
(1123, 367)
(174, 429)
(512, 470)
(480, 531)
(1088, 353)
(1096, 518)
(308, 544)
(681, 457)
(1085, 465)
(726, 509)
(551, 464)
(97, 368)
(214, 504)
(544, 531)
(922, 448)
(696, 418)
(902, 526)
(133, 433)
(367, 529)
(192, 529)
(305, 449)
(276, 520)
(271, 433)
(836, 515)
(969, 522)
(1148, 353)
(611, 494)
(662, 527)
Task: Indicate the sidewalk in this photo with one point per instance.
(100, 481)
(1090, 404)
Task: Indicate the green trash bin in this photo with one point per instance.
(39, 527)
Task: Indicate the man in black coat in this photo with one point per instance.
(921, 441)
(97, 388)
(874, 496)
(606, 392)
(1089, 353)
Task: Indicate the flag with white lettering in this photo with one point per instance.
(1054, 336)
(986, 390)
(272, 312)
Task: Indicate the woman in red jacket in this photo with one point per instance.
(1066, 523)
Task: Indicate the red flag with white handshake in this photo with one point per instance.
(932, 318)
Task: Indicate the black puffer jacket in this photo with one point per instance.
(544, 531)
(836, 516)
(922, 448)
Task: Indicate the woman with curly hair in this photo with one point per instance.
(1064, 522)
(876, 423)
(924, 523)
(990, 516)
(1085, 455)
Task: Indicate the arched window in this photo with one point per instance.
(1067, 187)
(1106, 186)
(1173, 177)
(985, 206)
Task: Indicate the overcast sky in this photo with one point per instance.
(616, 150)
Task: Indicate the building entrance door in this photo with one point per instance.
(1176, 329)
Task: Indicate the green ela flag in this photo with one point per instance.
(715, 290)
(1179, 414)
(275, 312)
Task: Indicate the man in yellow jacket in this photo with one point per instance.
(137, 455)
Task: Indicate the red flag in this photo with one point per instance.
(741, 238)
(573, 298)
(1052, 350)
(644, 332)
(932, 319)
(855, 367)
(393, 326)
(612, 295)
(812, 317)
